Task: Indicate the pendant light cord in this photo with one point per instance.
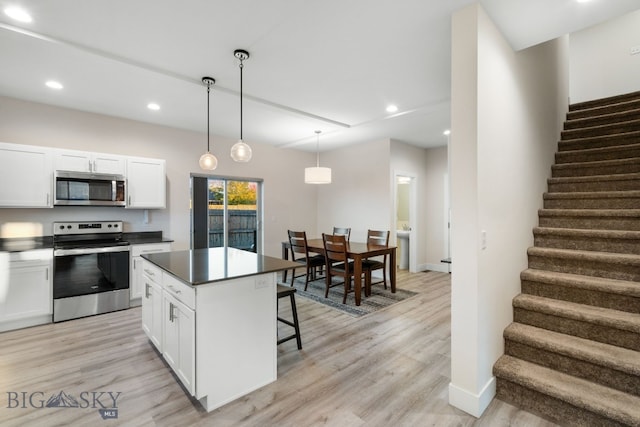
(317, 148)
(208, 115)
(241, 67)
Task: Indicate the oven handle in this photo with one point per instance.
(85, 251)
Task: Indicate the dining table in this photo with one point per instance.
(357, 251)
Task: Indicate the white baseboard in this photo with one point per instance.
(442, 267)
(474, 404)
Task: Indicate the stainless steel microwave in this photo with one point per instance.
(89, 189)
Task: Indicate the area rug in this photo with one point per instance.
(380, 297)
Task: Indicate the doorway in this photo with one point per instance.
(405, 220)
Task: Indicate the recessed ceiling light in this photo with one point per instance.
(392, 108)
(153, 106)
(54, 84)
(582, 1)
(446, 132)
(18, 14)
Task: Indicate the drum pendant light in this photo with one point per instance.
(208, 161)
(317, 175)
(241, 152)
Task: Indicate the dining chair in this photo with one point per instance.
(300, 254)
(342, 231)
(381, 238)
(337, 263)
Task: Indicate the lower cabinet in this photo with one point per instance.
(136, 285)
(152, 304)
(26, 294)
(179, 340)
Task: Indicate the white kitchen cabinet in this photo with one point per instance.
(152, 305)
(85, 161)
(146, 183)
(179, 339)
(26, 293)
(136, 287)
(26, 176)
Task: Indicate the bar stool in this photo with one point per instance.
(283, 292)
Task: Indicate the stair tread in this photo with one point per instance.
(605, 102)
(617, 286)
(604, 111)
(596, 163)
(587, 232)
(601, 213)
(581, 312)
(603, 126)
(593, 195)
(585, 255)
(607, 402)
(618, 358)
(595, 178)
(621, 135)
(614, 148)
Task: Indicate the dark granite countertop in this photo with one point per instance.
(20, 244)
(144, 237)
(200, 266)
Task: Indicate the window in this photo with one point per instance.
(226, 212)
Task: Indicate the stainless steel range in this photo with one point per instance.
(90, 269)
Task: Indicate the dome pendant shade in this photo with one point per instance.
(208, 161)
(317, 175)
(241, 152)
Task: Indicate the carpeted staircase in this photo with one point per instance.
(572, 354)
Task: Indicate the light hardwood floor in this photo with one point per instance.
(390, 368)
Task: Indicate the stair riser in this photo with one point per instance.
(600, 130)
(586, 267)
(604, 203)
(601, 111)
(579, 368)
(599, 142)
(591, 170)
(618, 153)
(587, 243)
(549, 407)
(578, 328)
(608, 185)
(591, 223)
(599, 120)
(594, 298)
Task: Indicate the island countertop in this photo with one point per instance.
(200, 266)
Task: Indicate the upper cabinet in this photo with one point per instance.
(84, 161)
(26, 177)
(146, 183)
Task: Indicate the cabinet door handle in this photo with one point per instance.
(146, 291)
(90, 168)
(95, 169)
(171, 315)
(129, 199)
(46, 273)
(149, 272)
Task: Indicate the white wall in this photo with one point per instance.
(288, 202)
(507, 110)
(359, 195)
(600, 60)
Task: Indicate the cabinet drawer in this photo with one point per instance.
(137, 250)
(181, 291)
(152, 272)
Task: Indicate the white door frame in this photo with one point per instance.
(413, 212)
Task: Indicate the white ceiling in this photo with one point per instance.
(331, 65)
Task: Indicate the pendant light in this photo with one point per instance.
(208, 161)
(241, 152)
(317, 175)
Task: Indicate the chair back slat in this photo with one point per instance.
(342, 231)
(298, 243)
(335, 248)
(378, 237)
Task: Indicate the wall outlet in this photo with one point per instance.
(634, 50)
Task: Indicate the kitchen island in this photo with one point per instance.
(212, 313)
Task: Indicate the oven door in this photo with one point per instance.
(90, 281)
